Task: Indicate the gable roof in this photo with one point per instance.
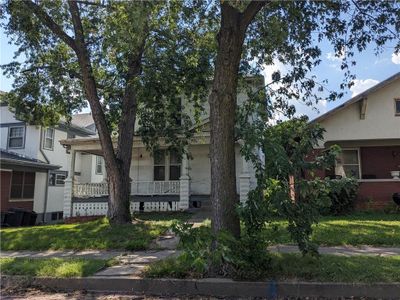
(358, 98)
(82, 120)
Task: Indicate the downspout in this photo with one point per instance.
(46, 192)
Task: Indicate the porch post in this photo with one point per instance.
(68, 188)
(244, 181)
(184, 180)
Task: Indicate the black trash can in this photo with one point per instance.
(32, 219)
(23, 214)
(13, 218)
(396, 198)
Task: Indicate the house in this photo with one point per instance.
(34, 165)
(367, 127)
(161, 182)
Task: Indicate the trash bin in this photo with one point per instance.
(13, 218)
(32, 219)
(22, 215)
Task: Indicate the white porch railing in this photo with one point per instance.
(87, 190)
(171, 187)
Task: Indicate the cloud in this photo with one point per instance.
(361, 85)
(336, 57)
(396, 58)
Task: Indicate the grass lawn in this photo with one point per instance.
(51, 267)
(376, 229)
(97, 234)
(327, 268)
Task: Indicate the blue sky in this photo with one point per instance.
(370, 69)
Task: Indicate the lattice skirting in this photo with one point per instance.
(100, 208)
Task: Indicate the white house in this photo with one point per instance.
(367, 127)
(34, 165)
(160, 182)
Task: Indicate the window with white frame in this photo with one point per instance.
(16, 137)
(348, 164)
(159, 166)
(48, 140)
(174, 166)
(167, 166)
(99, 165)
(22, 185)
(397, 107)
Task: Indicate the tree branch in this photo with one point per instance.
(49, 22)
(251, 11)
(89, 83)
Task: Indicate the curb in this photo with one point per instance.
(211, 287)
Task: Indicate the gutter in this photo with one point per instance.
(46, 192)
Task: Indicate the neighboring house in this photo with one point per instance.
(34, 165)
(367, 127)
(160, 182)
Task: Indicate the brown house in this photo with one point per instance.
(22, 180)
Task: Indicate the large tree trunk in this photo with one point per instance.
(222, 101)
(119, 195)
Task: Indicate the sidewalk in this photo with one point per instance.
(342, 250)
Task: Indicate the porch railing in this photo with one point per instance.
(87, 190)
(171, 187)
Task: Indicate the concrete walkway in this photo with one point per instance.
(154, 255)
(133, 263)
(342, 250)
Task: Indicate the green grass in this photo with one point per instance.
(51, 267)
(327, 268)
(376, 229)
(97, 234)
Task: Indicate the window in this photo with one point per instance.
(16, 136)
(167, 166)
(22, 185)
(397, 107)
(349, 164)
(56, 216)
(174, 166)
(99, 165)
(48, 141)
(57, 178)
(159, 165)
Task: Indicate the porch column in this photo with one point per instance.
(244, 181)
(184, 180)
(68, 188)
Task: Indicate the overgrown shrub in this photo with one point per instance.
(342, 193)
(244, 258)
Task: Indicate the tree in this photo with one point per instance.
(253, 34)
(120, 57)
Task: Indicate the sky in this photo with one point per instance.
(370, 70)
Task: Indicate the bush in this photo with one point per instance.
(244, 258)
(342, 193)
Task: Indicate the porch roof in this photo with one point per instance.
(14, 160)
(92, 144)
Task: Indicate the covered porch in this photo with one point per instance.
(376, 165)
(162, 182)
